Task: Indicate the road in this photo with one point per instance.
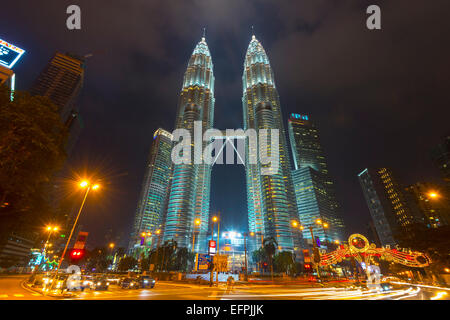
(11, 289)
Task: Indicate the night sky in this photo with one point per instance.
(379, 98)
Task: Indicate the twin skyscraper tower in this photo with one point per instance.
(175, 198)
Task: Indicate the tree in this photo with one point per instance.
(284, 262)
(259, 257)
(169, 248)
(127, 263)
(99, 260)
(270, 247)
(32, 141)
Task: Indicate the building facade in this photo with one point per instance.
(61, 81)
(432, 201)
(154, 192)
(270, 198)
(190, 188)
(440, 155)
(390, 209)
(314, 189)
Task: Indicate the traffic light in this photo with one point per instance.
(307, 267)
(76, 254)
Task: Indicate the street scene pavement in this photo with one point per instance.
(14, 288)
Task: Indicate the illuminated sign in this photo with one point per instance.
(299, 116)
(212, 246)
(9, 54)
(81, 240)
(202, 261)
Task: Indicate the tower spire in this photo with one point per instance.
(204, 34)
(253, 33)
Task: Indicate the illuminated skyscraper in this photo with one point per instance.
(154, 192)
(392, 213)
(190, 189)
(314, 188)
(270, 198)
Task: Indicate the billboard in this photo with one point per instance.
(202, 261)
(9, 54)
(212, 247)
(81, 240)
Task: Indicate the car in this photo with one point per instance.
(389, 279)
(113, 280)
(129, 283)
(100, 284)
(385, 286)
(146, 281)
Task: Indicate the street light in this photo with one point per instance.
(197, 223)
(83, 184)
(245, 255)
(325, 225)
(50, 230)
(433, 194)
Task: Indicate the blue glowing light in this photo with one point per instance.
(9, 54)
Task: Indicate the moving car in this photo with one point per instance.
(146, 281)
(129, 283)
(100, 284)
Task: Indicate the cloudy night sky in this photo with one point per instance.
(379, 98)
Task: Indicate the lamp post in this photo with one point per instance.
(310, 227)
(197, 223)
(245, 256)
(88, 186)
(50, 230)
(158, 232)
(218, 245)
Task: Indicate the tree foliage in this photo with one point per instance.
(284, 262)
(32, 140)
(127, 263)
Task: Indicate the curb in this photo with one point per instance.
(26, 287)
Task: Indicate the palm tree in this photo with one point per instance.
(270, 247)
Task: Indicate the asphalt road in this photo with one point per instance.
(11, 289)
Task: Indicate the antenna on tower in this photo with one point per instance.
(204, 33)
(253, 33)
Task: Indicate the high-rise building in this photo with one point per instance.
(314, 189)
(440, 155)
(270, 198)
(391, 211)
(432, 201)
(315, 201)
(61, 81)
(190, 188)
(154, 191)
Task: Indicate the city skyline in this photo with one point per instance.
(106, 118)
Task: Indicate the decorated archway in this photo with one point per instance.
(359, 248)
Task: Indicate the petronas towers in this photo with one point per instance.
(183, 213)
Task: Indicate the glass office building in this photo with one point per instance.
(189, 197)
(314, 189)
(391, 212)
(270, 198)
(154, 192)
